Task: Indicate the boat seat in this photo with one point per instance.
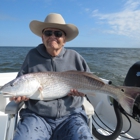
(13, 108)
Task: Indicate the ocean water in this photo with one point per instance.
(108, 63)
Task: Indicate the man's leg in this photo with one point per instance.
(73, 128)
(32, 127)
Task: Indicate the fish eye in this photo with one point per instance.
(122, 90)
(11, 84)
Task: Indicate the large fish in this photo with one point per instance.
(52, 85)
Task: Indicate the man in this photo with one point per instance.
(60, 119)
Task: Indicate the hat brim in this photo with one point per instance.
(70, 29)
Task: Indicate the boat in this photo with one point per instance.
(103, 122)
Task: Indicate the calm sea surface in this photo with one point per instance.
(108, 63)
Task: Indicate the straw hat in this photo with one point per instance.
(54, 20)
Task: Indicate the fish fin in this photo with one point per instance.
(88, 74)
(41, 93)
(127, 101)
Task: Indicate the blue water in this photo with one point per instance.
(108, 63)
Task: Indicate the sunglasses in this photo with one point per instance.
(48, 33)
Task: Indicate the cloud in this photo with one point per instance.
(131, 5)
(125, 22)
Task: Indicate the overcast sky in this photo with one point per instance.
(101, 23)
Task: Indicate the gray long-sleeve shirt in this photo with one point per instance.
(39, 60)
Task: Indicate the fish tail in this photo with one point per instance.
(128, 99)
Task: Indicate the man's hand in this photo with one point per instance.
(19, 99)
(74, 92)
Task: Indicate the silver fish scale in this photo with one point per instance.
(82, 81)
(53, 85)
(71, 80)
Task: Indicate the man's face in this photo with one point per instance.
(53, 39)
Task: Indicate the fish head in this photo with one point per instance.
(25, 85)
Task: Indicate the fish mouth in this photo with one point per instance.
(7, 95)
